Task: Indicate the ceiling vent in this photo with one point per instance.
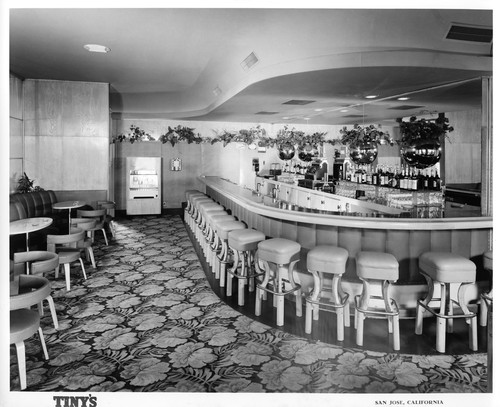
(299, 102)
(249, 61)
(266, 113)
(469, 33)
(404, 107)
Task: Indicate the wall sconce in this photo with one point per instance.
(175, 164)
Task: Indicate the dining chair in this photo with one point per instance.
(66, 247)
(99, 215)
(88, 225)
(39, 262)
(24, 322)
(109, 219)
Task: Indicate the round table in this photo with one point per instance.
(69, 205)
(27, 226)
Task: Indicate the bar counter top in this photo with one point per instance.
(405, 238)
(267, 206)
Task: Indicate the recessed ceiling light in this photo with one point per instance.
(344, 110)
(217, 91)
(404, 98)
(285, 118)
(371, 96)
(96, 48)
(318, 110)
(306, 118)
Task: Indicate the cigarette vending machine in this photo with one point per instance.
(143, 185)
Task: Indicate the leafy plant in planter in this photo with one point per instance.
(365, 134)
(25, 185)
(414, 129)
(420, 142)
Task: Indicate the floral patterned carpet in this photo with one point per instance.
(146, 320)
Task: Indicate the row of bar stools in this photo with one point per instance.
(445, 269)
(486, 299)
(243, 243)
(376, 270)
(327, 264)
(279, 258)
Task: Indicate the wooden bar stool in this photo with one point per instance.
(243, 243)
(192, 208)
(445, 268)
(279, 257)
(196, 216)
(223, 229)
(211, 236)
(327, 265)
(206, 209)
(486, 298)
(376, 270)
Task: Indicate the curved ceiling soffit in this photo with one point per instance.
(180, 104)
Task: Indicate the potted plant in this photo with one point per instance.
(25, 185)
(420, 142)
(363, 141)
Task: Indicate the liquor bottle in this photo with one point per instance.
(414, 180)
(375, 177)
(369, 175)
(404, 179)
(425, 181)
(363, 175)
(432, 181)
(437, 182)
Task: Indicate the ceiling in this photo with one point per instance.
(312, 66)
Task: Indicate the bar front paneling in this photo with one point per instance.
(406, 239)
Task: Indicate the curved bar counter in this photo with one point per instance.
(405, 238)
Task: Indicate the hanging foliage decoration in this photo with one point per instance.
(254, 136)
(365, 134)
(180, 133)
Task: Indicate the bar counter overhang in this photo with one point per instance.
(405, 238)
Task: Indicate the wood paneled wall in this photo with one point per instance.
(463, 148)
(66, 135)
(16, 152)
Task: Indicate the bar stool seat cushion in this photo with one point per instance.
(211, 205)
(447, 267)
(327, 259)
(223, 228)
(245, 239)
(279, 251)
(218, 217)
(488, 260)
(377, 266)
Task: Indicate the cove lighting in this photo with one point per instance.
(96, 48)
